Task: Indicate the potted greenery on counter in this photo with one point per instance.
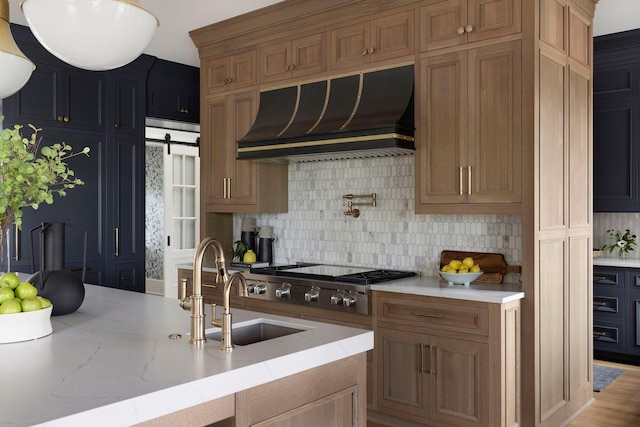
(30, 175)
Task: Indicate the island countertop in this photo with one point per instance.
(112, 363)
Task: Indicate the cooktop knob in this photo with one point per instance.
(260, 289)
(251, 288)
(349, 300)
(284, 291)
(313, 294)
(336, 299)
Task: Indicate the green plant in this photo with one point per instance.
(29, 177)
(624, 242)
(240, 249)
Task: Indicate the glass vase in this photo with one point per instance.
(622, 255)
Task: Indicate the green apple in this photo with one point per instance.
(45, 302)
(31, 304)
(6, 294)
(10, 307)
(26, 290)
(10, 279)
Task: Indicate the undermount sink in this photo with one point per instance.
(255, 331)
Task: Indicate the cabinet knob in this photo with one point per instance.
(365, 51)
(372, 50)
(460, 30)
(66, 119)
(469, 28)
(292, 67)
(60, 118)
(116, 125)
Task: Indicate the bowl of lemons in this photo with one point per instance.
(461, 272)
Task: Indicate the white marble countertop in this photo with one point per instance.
(111, 363)
(437, 287)
(617, 262)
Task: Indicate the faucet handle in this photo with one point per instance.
(214, 321)
(182, 289)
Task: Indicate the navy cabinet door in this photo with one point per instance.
(127, 214)
(82, 206)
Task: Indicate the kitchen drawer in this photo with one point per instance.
(607, 306)
(608, 336)
(421, 313)
(633, 284)
(608, 278)
(634, 323)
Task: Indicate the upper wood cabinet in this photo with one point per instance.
(469, 150)
(293, 58)
(386, 37)
(230, 185)
(454, 22)
(230, 72)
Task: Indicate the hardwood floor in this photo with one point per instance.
(618, 405)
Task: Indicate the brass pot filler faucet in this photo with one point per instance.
(195, 302)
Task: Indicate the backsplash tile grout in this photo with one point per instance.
(390, 235)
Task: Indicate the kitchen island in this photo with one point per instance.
(112, 363)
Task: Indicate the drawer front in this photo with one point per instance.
(633, 284)
(608, 306)
(456, 318)
(608, 336)
(634, 323)
(608, 279)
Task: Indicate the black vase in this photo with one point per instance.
(64, 289)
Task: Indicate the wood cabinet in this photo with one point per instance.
(445, 361)
(455, 22)
(616, 123)
(386, 37)
(231, 185)
(173, 92)
(295, 58)
(616, 313)
(230, 72)
(471, 150)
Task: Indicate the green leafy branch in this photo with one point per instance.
(29, 177)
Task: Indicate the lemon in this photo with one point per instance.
(455, 264)
(475, 268)
(463, 269)
(446, 268)
(468, 262)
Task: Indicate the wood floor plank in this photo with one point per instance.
(618, 405)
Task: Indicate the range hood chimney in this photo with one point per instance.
(358, 116)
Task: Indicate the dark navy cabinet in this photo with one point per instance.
(616, 122)
(616, 313)
(173, 92)
(106, 113)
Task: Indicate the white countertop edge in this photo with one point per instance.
(616, 262)
(163, 402)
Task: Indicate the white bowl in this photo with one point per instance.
(460, 278)
(25, 326)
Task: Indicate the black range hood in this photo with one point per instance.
(357, 116)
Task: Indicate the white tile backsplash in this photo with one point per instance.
(390, 235)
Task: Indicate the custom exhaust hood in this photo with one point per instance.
(358, 116)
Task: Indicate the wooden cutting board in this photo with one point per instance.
(493, 265)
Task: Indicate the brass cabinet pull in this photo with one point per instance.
(599, 303)
(599, 278)
(460, 30)
(461, 172)
(432, 316)
(468, 28)
(16, 241)
(117, 235)
(365, 51)
(423, 370)
(469, 180)
(599, 334)
(228, 188)
(372, 50)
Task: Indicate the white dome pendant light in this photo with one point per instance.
(91, 34)
(15, 68)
